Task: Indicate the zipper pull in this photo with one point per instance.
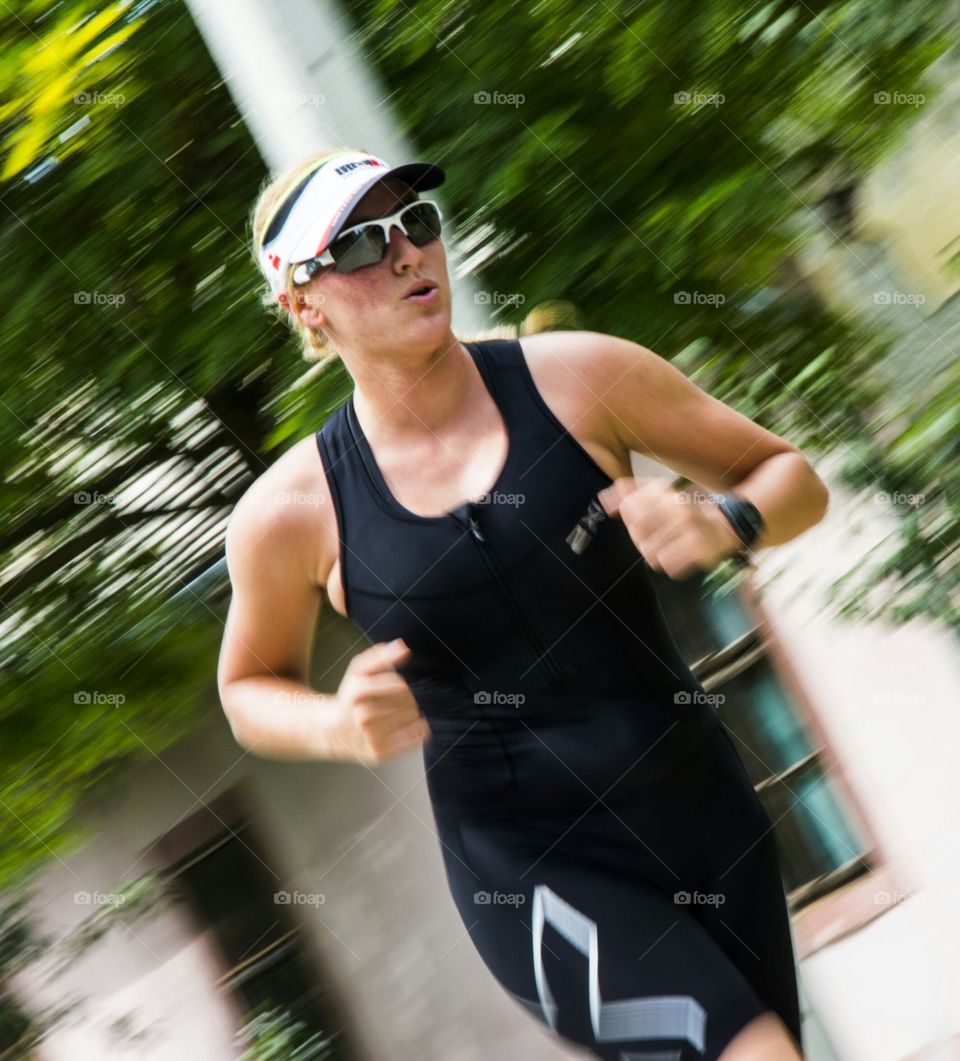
(582, 534)
(474, 526)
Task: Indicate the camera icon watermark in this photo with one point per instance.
(302, 99)
(894, 898)
(512, 99)
(896, 498)
(295, 898)
(900, 99)
(499, 298)
(898, 298)
(93, 497)
(495, 696)
(699, 99)
(103, 99)
(698, 298)
(99, 898)
(498, 497)
(298, 497)
(686, 697)
(99, 298)
(699, 898)
(85, 697)
(898, 698)
(495, 898)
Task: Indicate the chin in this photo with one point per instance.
(437, 323)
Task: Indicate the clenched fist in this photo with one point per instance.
(378, 716)
(677, 532)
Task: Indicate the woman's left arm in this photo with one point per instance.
(654, 409)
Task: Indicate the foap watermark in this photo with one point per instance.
(302, 99)
(284, 697)
(898, 298)
(93, 497)
(698, 298)
(697, 697)
(299, 898)
(499, 298)
(898, 698)
(99, 898)
(100, 99)
(695, 497)
(895, 498)
(699, 898)
(899, 99)
(497, 497)
(99, 298)
(298, 497)
(495, 696)
(311, 299)
(894, 898)
(502, 99)
(499, 898)
(699, 99)
(85, 696)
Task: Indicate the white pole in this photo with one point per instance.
(302, 83)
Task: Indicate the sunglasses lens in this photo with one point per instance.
(357, 249)
(367, 246)
(422, 222)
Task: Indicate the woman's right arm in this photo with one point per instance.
(264, 664)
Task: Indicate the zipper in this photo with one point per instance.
(550, 669)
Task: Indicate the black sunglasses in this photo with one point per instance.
(366, 243)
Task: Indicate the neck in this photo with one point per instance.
(406, 396)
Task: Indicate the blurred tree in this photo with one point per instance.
(272, 1034)
(142, 386)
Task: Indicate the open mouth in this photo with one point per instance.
(422, 293)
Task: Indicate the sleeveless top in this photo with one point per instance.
(491, 598)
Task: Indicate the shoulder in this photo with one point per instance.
(594, 357)
(288, 508)
(575, 373)
(626, 374)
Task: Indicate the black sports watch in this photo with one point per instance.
(743, 516)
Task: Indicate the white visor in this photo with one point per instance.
(310, 217)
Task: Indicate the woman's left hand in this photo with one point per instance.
(677, 532)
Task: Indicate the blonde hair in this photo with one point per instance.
(315, 347)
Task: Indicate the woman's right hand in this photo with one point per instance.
(378, 715)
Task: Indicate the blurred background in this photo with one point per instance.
(765, 193)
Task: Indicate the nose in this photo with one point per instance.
(402, 251)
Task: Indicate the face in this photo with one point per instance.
(365, 311)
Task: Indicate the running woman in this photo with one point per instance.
(476, 516)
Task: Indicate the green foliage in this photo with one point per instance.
(273, 1035)
(913, 571)
(166, 379)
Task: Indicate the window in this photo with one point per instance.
(727, 650)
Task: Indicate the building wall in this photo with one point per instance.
(156, 974)
(886, 699)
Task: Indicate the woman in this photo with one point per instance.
(471, 507)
